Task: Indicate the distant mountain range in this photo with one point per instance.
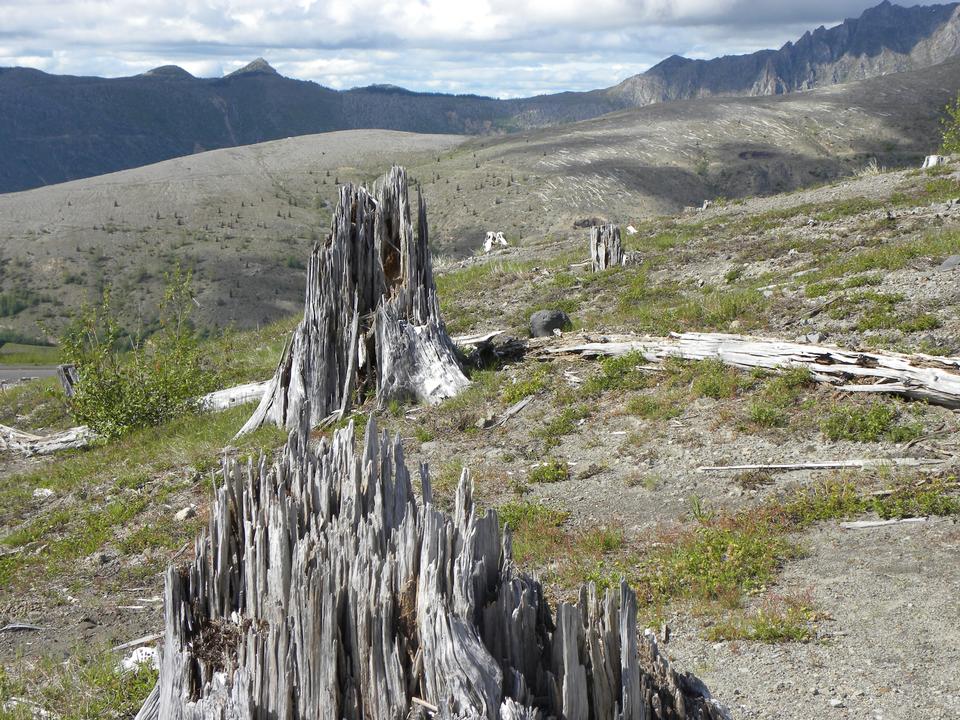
(56, 128)
(885, 39)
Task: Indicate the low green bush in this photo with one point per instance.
(152, 382)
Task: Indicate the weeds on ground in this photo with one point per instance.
(779, 619)
(550, 471)
(109, 486)
(870, 423)
(87, 686)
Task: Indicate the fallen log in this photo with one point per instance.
(918, 376)
(826, 465)
(371, 318)
(323, 589)
(28, 444)
(231, 397)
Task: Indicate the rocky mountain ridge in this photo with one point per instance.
(57, 128)
(884, 39)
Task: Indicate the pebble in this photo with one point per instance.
(185, 514)
(836, 702)
(43, 493)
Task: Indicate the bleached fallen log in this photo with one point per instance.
(918, 376)
(866, 524)
(475, 340)
(827, 465)
(371, 319)
(605, 248)
(231, 397)
(323, 589)
(28, 444)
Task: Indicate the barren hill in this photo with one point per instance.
(243, 218)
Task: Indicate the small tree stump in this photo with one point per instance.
(371, 319)
(605, 248)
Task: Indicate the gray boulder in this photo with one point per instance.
(950, 263)
(544, 322)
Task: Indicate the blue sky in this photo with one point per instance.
(504, 48)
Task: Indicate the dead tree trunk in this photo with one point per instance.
(323, 589)
(921, 377)
(605, 248)
(371, 319)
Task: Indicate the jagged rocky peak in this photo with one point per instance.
(257, 67)
(169, 72)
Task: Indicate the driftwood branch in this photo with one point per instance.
(918, 376)
(371, 320)
(323, 589)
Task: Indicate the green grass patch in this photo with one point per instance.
(536, 530)
(655, 407)
(87, 686)
(566, 423)
(779, 619)
(531, 383)
(21, 354)
(870, 423)
(38, 404)
(623, 372)
(550, 471)
(112, 485)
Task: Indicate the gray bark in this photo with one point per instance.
(323, 589)
(605, 248)
(371, 318)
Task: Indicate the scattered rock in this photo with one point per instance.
(836, 702)
(544, 322)
(589, 222)
(185, 514)
(815, 338)
(43, 493)
(486, 421)
(950, 263)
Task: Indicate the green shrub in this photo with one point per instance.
(155, 381)
(950, 141)
(550, 471)
(620, 372)
(532, 383)
(877, 421)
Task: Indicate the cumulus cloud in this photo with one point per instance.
(505, 48)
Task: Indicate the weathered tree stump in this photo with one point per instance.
(323, 589)
(605, 248)
(371, 318)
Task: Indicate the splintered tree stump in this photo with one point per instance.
(605, 248)
(371, 319)
(323, 589)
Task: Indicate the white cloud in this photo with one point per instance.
(497, 47)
